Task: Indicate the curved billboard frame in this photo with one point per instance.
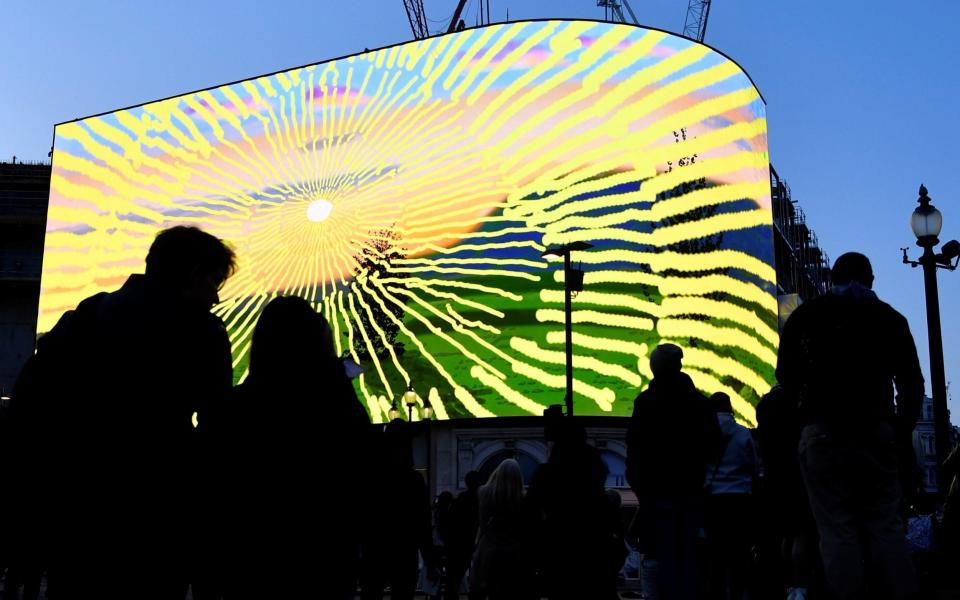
(409, 193)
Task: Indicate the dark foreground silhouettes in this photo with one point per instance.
(285, 454)
(842, 354)
(673, 436)
(502, 567)
(577, 524)
(398, 530)
(102, 426)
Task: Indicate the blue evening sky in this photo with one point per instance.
(861, 97)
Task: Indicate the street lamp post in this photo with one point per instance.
(572, 282)
(427, 413)
(926, 222)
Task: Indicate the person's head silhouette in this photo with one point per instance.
(191, 263)
(852, 267)
(721, 402)
(290, 341)
(504, 488)
(472, 480)
(665, 360)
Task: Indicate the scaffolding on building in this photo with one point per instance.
(802, 267)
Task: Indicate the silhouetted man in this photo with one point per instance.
(390, 546)
(464, 522)
(730, 507)
(107, 405)
(673, 436)
(788, 520)
(578, 527)
(842, 354)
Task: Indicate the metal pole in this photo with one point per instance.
(431, 480)
(568, 399)
(938, 387)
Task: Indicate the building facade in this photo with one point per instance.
(445, 451)
(24, 190)
(924, 445)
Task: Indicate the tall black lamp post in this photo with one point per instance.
(572, 282)
(926, 222)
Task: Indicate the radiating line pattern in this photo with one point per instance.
(409, 192)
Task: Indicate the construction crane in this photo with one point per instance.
(455, 22)
(417, 18)
(695, 25)
(611, 8)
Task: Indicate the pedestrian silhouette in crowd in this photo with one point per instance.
(577, 525)
(949, 535)
(20, 574)
(441, 518)
(842, 354)
(431, 581)
(103, 417)
(786, 510)
(502, 568)
(618, 543)
(672, 437)
(393, 541)
(730, 509)
(23, 564)
(462, 536)
(284, 451)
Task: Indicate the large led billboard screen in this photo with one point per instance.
(410, 192)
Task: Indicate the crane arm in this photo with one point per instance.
(456, 16)
(630, 10)
(695, 25)
(417, 18)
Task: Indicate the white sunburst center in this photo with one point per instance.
(319, 210)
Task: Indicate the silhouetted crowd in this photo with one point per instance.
(135, 469)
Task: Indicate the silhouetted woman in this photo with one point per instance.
(501, 568)
(288, 449)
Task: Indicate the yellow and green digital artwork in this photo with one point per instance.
(409, 193)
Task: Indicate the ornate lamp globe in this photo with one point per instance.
(393, 413)
(410, 399)
(926, 221)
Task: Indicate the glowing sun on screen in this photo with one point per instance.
(319, 210)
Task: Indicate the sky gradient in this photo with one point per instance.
(860, 101)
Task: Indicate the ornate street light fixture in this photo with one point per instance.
(926, 222)
(394, 413)
(427, 409)
(410, 399)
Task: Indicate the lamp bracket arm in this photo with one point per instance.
(906, 259)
